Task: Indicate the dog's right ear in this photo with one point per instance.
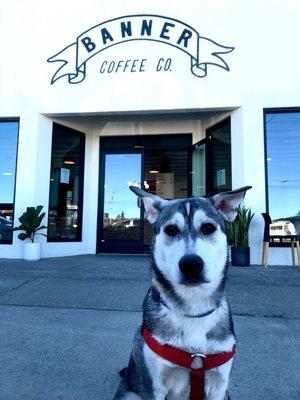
(153, 204)
(227, 202)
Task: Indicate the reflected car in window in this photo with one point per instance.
(5, 230)
(282, 228)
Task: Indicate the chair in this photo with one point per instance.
(278, 241)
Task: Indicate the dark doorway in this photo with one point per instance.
(159, 164)
(211, 161)
(219, 158)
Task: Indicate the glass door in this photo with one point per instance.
(218, 158)
(121, 225)
(199, 169)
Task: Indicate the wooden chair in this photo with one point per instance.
(278, 241)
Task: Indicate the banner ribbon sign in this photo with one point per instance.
(202, 51)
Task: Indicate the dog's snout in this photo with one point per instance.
(191, 266)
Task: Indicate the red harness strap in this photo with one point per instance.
(185, 359)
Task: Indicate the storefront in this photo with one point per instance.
(184, 100)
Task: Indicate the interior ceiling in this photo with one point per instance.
(92, 119)
(167, 161)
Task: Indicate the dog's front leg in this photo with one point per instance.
(216, 382)
(156, 367)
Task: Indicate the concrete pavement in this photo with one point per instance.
(67, 326)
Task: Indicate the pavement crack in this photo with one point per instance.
(12, 289)
(269, 316)
(134, 310)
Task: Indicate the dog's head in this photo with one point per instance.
(190, 244)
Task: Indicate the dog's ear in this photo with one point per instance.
(153, 204)
(228, 202)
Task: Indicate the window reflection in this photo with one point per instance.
(66, 184)
(199, 171)
(165, 175)
(219, 158)
(283, 163)
(8, 154)
(121, 219)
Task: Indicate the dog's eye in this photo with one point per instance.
(171, 230)
(208, 228)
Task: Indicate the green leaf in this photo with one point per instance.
(19, 228)
(38, 209)
(238, 229)
(23, 236)
(41, 227)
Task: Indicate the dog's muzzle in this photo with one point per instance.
(191, 267)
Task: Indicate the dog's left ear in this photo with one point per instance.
(153, 204)
(228, 202)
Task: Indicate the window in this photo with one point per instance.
(8, 156)
(283, 170)
(66, 185)
(219, 158)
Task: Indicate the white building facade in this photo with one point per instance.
(190, 98)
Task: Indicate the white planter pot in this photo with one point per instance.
(32, 251)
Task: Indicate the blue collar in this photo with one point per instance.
(155, 295)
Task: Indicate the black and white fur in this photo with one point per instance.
(189, 262)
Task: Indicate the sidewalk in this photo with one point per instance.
(67, 326)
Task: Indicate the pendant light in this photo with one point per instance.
(153, 169)
(68, 160)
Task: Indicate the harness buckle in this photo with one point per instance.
(198, 355)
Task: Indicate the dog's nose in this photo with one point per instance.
(191, 265)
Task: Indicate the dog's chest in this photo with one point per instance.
(192, 336)
(192, 333)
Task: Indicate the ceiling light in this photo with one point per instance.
(153, 170)
(6, 173)
(138, 144)
(68, 160)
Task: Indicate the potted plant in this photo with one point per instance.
(238, 237)
(31, 221)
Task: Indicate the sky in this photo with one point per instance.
(120, 169)
(283, 160)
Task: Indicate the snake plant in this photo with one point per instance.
(238, 230)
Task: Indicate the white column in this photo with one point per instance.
(237, 149)
(91, 192)
(254, 167)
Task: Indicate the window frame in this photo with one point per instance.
(279, 110)
(13, 119)
(209, 155)
(82, 137)
(106, 145)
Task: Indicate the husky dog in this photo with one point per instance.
(186, 307)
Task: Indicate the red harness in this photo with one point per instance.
(185, 359)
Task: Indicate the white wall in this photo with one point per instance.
(263, 66)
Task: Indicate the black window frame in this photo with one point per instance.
(107, 145)
(13, 119)
(208, 155)
(81, 184)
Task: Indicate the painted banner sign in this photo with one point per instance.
(202, 51)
